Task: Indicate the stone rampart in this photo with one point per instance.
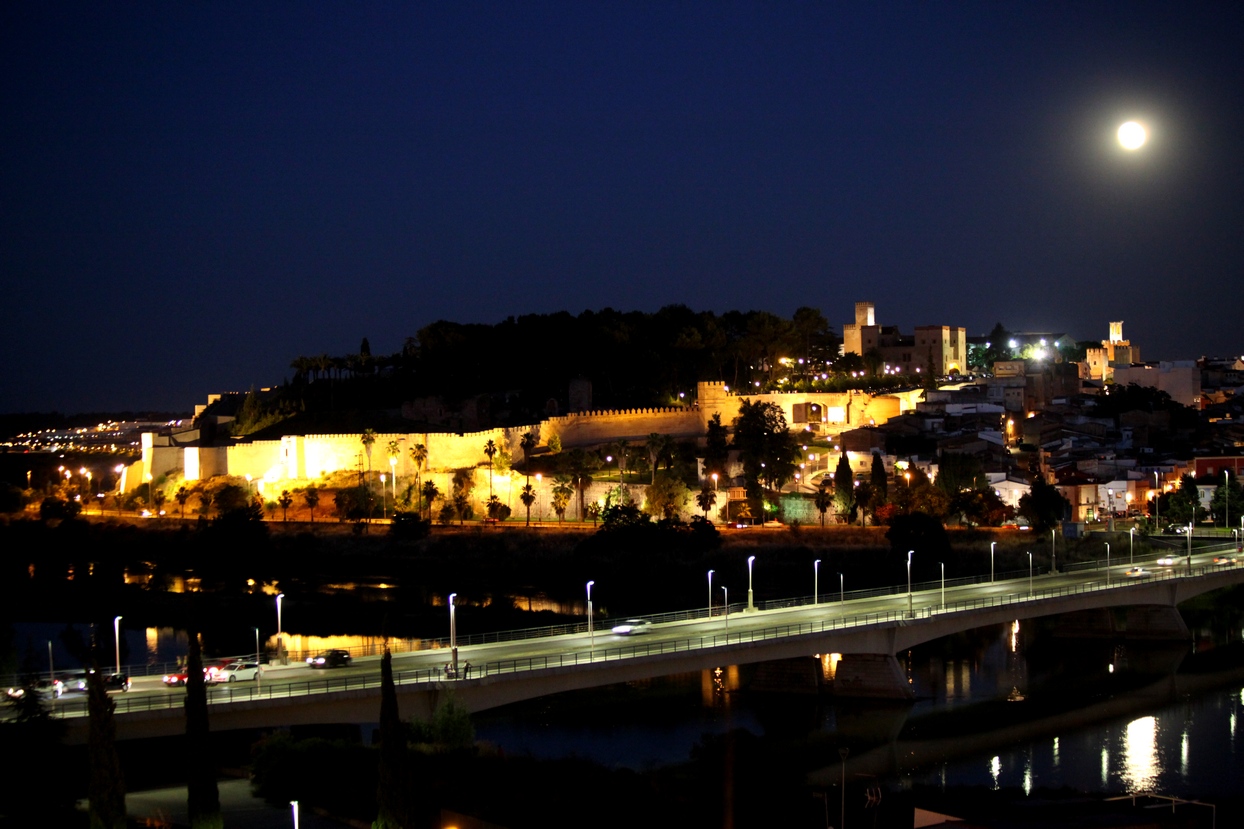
(592, 428)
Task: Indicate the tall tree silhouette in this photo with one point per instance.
(203, 797)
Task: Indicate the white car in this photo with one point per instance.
(632, 626)
(235, 671)
(1137, 572)
(1166, 561)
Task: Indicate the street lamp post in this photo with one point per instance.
(1157, 497)
(1030, 575)
(453, 637)
(1110, 510)
(384, 497)
(992, 545)
(1107, 563)
(842, 592)
(816, 582)
(1131, 547)
(1190, 527)
(710, 593)
(294, 805)
(258, 677)
(393, 480)
(116, 638)
(943, 564)
(909, 555)
(725, 606)
(1053, 563)
(751, 608)
(51, 667)
(1226, 498)
(280, 649)
(591, 632)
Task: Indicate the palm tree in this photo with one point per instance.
(528, 497)
(561, 495)
(528, 444)
(419, 454)
(285, 502)
(619, 451)
(430, 493)
(657, 446)
(311, 495)
(490, 449)
(823, 501)
(706, 499)
(593, 511)
(182, 496)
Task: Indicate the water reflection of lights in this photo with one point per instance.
(1141, 766)
(1056, 759)
(1105, 766)
(829, 665)
(1015, 636)
(995, 770)
(1183, 754)
(1028, 775)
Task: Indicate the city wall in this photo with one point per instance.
(309, 457)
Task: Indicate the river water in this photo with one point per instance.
(998, 708)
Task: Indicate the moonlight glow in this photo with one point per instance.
(1132, 135)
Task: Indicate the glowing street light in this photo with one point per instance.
(1030, 575)
(943, 565)
(992, 545)
(710, 594)
(842, 592)
(1107, 563)
(591, 632)
(280, 650)
(816, 584)
(910, 553)
(751, 608)
(726, 607)
(453, 637)
(116, 637)
(1131, 546)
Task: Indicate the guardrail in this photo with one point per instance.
(827, 597)
(230, 693)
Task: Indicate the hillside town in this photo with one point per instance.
(1117, 437)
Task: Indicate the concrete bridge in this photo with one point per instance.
(866, 633)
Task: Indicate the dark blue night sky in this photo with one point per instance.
(192, 195)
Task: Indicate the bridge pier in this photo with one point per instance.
(1138, 622)
(867, 676)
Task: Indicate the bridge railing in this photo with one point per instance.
(231, 693)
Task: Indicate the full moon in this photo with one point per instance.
(1132, 136)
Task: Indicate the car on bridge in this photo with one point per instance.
(178, 678)
(632, 626)
(335, 658)
(237, 670)
(45, 688)
(1166, 561)
(1136, 572)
